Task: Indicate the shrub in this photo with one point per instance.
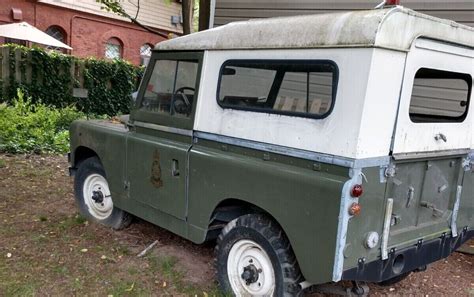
(35, 128)
(49, 77)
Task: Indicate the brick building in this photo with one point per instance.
(91, 31)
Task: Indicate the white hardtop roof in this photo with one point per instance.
(392, 28)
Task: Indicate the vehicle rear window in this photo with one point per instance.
(440, 96)
(290, 87)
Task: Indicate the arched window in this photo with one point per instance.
(145, 50)
(113, 48)
(145, 53)
(57, 33)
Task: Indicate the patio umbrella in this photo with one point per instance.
(24, 31)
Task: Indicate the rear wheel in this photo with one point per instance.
(93, 196)
(254, 258)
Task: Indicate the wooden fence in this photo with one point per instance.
(21, 71)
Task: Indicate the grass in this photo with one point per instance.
(21, 289)
(71, 222)
(57, 252)
(128, 288)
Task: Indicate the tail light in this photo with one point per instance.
(357, 191)
(355, 209)
(392, 2)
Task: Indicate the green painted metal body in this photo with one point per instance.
(302, 196)
(434, 180)
(177, 181)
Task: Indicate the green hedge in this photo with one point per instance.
(50, 77)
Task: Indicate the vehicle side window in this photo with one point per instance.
(170, 89)
(291, 87)
(440, 96)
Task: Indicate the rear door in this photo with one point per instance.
(431, 141)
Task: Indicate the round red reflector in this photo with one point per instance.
(355, 209)
(357, 191)
(392, 2)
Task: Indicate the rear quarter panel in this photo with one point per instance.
(371, 219)
(304, 201)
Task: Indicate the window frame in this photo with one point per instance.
(165, 119)
(113, 40)
(282, 62)
(64, 37)
(144, 57)
(441, 119)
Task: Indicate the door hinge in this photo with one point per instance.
(468, 163)
(387, 171)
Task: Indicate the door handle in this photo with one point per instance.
(411, 195)
(175, 168)
(436, 212)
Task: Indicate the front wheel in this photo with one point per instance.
(93, 196)
(254, 258)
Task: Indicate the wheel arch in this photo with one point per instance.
(231, 208)
(82, 153)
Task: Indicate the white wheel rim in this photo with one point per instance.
(246, 254)
(96, 183)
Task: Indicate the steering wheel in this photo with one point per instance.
(181, 103)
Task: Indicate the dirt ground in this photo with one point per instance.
(47, 249)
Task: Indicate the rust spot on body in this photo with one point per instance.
(156, 171)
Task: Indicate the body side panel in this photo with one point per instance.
(348, 131)
(337, 134)
(304, 201)
(108, 141)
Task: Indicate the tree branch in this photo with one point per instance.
(138, 9)
(115, 7)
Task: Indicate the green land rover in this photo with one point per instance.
(311, 149)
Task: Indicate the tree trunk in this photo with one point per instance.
(204, 14)
(187, 16)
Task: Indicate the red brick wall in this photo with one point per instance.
(86, 33)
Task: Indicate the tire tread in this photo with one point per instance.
(278, 241)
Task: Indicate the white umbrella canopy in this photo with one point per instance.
(25, 31)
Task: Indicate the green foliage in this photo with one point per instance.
(51, 80)
(110, 85)
(114, 6)
(26, 127)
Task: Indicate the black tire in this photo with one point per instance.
(394, 280)
(267, 234)
(118, 219)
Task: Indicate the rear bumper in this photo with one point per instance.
(407, 259)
